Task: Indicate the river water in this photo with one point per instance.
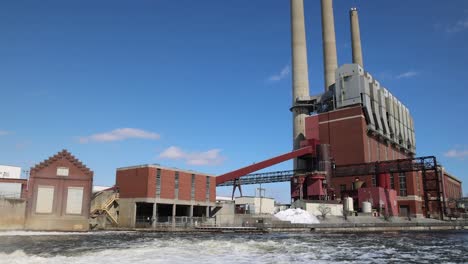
(135, 247)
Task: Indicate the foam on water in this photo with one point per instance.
(134, 247)
(43, 233)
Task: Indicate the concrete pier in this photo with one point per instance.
(330, 61)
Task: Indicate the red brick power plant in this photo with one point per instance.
(355, 139)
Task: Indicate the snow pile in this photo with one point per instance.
(297, 216)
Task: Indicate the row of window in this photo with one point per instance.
(402, 181)
(176, 191)
(207, 188)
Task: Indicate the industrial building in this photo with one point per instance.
(355, 139)
(152, 194)
(59, 194)
(56, 196)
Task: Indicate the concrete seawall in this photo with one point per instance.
(300, 228)
(12, 213)
(376, 227)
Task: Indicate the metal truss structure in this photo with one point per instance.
(431, 178)
(433, 191)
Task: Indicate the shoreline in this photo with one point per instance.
(313, 228)
(346, 227)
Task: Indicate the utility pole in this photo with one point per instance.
(260, 190)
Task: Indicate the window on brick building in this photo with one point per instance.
(192, 192)
(392, 181)
(158, 183)
(402, 180)
(177, 185)
(207, 188)
(418, 184)
(343, 187)
(374, 181)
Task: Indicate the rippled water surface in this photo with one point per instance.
(135, 247)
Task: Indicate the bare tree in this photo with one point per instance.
(324, 210)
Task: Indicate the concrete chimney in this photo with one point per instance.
(300, 76)
(330, 62)
(356, 37)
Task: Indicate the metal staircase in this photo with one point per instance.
(104, 208)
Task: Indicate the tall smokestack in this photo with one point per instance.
(356, 37)
(330, 62)
(299, 75)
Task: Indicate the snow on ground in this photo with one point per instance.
(297, 216)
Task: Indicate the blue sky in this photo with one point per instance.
(206, 85)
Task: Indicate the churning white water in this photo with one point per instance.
(36, 233)
(135, 247)
(297, 216)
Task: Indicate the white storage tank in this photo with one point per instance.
(348, 204)
(366, 207)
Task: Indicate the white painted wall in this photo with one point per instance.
(313, 208)
(261, 205)
(10, 172)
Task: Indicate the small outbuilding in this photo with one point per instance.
(59, 194)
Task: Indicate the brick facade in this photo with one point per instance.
(140, 182)
(45, 175)
(350, 143)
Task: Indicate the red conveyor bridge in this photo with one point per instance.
(231, 177)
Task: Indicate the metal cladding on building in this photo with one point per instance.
(385, 115)
(355, 37)
(300, 75)
(330, 61)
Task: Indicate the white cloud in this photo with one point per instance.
(172, 153)
(407, 74)
(210, 157)
(461, 25)
(4, 132)
(458, 154)
(120, 134)
(281, 75)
